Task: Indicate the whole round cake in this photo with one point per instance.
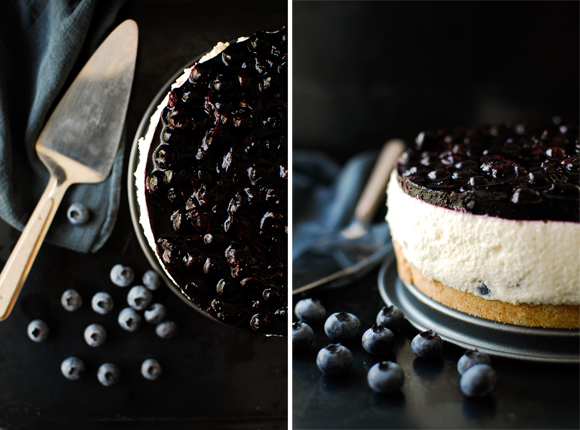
(486, 220)
(212, 183)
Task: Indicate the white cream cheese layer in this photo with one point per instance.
(517, 261)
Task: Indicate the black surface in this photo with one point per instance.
(213, 376)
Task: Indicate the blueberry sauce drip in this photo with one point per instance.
(521, 171)
(217, 185)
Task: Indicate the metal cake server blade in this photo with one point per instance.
(340, 258)
(78, 144)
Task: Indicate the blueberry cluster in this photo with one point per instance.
(217, 182)
(523, 171)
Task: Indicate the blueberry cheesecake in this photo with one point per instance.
(212, 183)
(486, 220)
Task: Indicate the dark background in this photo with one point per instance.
(364, 72)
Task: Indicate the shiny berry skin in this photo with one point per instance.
(152, 280)
(78, 214)
(342, 327)
(108, 374)
(302, 336)
(71, 300)
(72, 368)
(122, 276)
(139, 297)
(151, 369)
(310, 311)
(95, 335)
(129, 319)
(385, 377)
(155, 313)
(378, 340)
(166, 329)
(38, 330)
(334, 359)
(102, 303)
(390, 317)
(478, 380)
(471, 358)
(427, 344)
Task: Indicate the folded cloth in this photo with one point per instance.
(43, 44)
(324, 196)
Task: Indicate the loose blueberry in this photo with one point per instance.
(129, 319)
(427, 344)
(378, 340)
(121, 275)
(342, 326)
(302, 336)
(71, 300)
(95, 335)
(166, 329)
(102, 303)
(390, 317)
(386, 377)
(155, 313)
(72, 368)
(470, 359)
(150, 369)
(38, 330)
(151, 280)
(78, 214)
(310, 311)
(334, 359)
(139, 297)
(108, 374)
(478, 380)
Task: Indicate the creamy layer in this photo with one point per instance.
(494, 258)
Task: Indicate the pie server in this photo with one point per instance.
(77, 145)
(340, 258)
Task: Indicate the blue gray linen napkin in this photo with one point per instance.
(324, 196)
(43, 44)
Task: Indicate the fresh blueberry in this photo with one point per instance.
(129, 319)
(95, 335)
(102, 303)
(166, 329)
(108, 374)
(38, 330)
(427, 344)
(390, 317)
(478, 380)
(121, 275)
(471, 358)
(151, 280)
(378, 340)
(386, 377)
(71, 300)
(155, 313)
(78, 214)
(139, 297)
(310, 311)
(334, 359)
(151, 369)
(302, 336)
(72, 368)
(342, 326)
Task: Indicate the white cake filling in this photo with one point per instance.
(518, 261)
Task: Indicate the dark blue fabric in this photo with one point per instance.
(43, 44)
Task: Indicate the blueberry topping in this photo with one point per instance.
(72, 368)
(71, 300)
(108, 374)
(102, 303)
(151, 369)
(483, 290)
(471, 358)
(386, 377)
(478, 380)
(427, 344)
(129, 319)
(95, 335)
(390, 317)
(334, 359)
(302, 336)
(342, 327)
(378, 340)
(139, 297)
(122, 276)
(78, 214)
(166, 329)
(38, 330)
(151, 280)
(155, 313)
(310, 311)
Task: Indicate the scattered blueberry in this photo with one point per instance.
(310, 311)
(390, 317)
(129, 319)
(342, 326)
(121, 275)
(102, 303)
(427, 344)
(108, 374)
(155, 313)
(151, 369)
(77, 214)
(71, 300)
(139, 297)
(334, 359)
(151, 280)
(95, 335)
(470, 359)
(302, 336)
(386, 377)
(166, 329)
(478, 380)
(378, 340)
(38, 330)
(72, 368)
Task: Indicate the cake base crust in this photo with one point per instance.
(521, 314)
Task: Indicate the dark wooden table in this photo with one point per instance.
(213, 376)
